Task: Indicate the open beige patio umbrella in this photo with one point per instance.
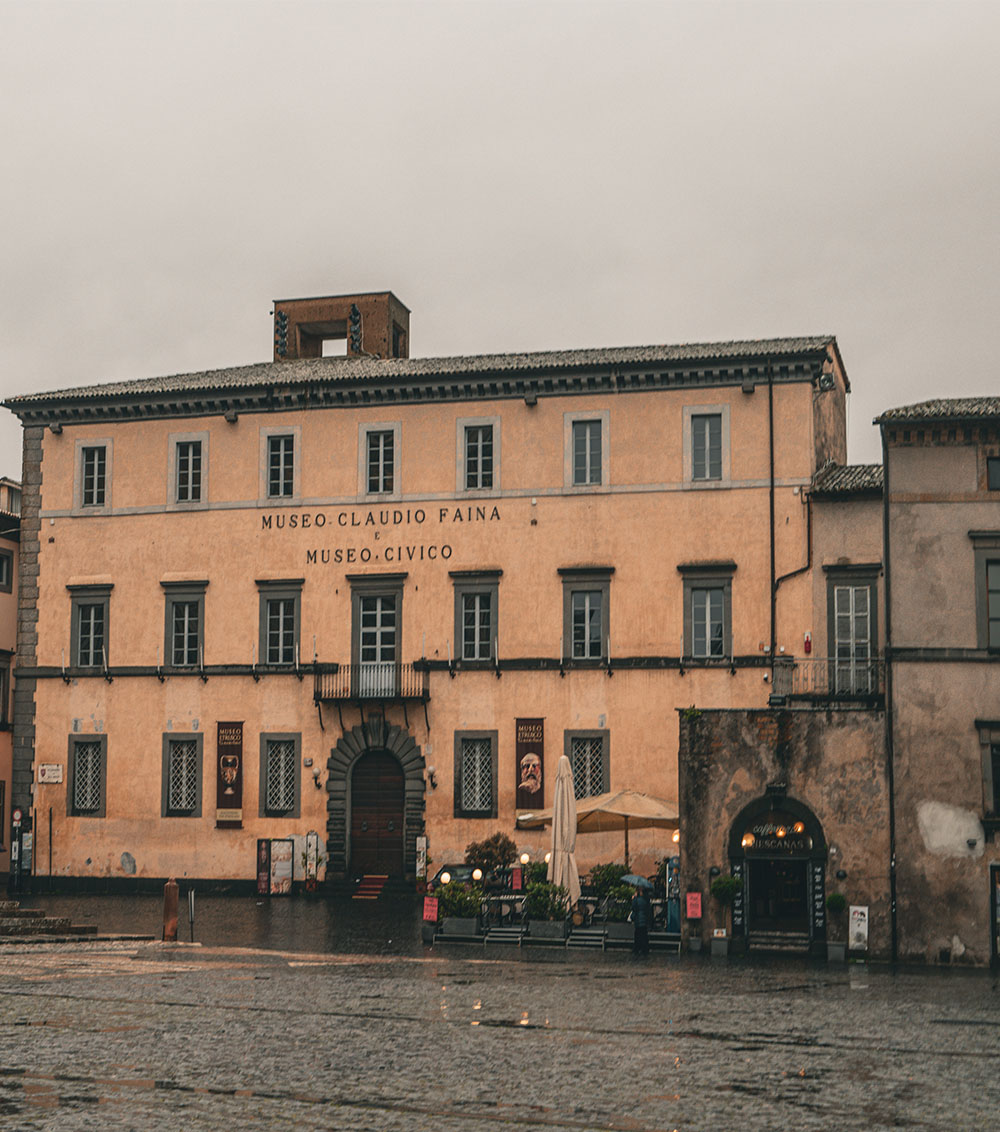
(562, 868)
(620, 809)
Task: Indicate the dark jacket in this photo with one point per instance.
(642, 910)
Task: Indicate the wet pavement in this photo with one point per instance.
(103, 1035)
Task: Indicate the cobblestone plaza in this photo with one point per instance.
(124, 1035)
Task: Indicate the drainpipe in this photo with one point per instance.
(770, 456)
(890, 758)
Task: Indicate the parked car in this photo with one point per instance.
(462, 874)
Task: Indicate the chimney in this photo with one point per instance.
(372, 325)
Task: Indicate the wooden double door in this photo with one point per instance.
(377, 795)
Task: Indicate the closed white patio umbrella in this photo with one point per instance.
(562, 868)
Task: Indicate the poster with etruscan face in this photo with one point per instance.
(529, 758)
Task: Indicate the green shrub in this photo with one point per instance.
(605, 877)
(536, 872)
(724, 888)
(459, 899)
(492, 855)
(546, 901)
(619, 902)
(836, 902)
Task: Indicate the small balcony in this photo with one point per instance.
(830, 678)
(379, 683)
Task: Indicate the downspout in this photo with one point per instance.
(770, 457)
(890, 758)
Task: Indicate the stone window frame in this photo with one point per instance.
(267, 737)
(576, 579)
(989, 738)
(986, 550)
(365, 428)
(708, 575)
(96, 593)
(467, 582)
(173, 441)
(992, 473)
(861, 574)
(79, 507)
(182, 737)
(279, 589)
(725, 480)
(582, 733)
(570, 419)
(460, 737)
(374, 585)
(174, 593)
(75, 739)
(5, 693)
(6, 571)
(461, 441)
(264, 498)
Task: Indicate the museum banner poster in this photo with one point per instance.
(529, 757)
(229, 777)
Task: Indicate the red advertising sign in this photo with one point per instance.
(229, 777)
(516, 875)
(693, 905)
(431, 909)
(529, 756)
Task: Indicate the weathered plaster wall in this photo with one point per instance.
(831, 761)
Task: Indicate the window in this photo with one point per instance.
(279, 621)
(478, 457)
(182, 762)
(986, 548)
(586, 450)
(281, 466)
(188, 471)
(89, 627)
(586, 612)
(184, 631)
(852, 630)
(4, 697)
(993, 473)
(476, 614)
(92, 480)
(706, 445)
(989, 740)
(87, 775)
(708, 609)
(475, 774)
(377, 607)
(280, 775)
(378, 458)
(589, 755)
(6, 571)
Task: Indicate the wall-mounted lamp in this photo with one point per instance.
(432, 777)
(841, 874)
(316, 773)
(231, 416)
(714, 871)
(525, 858)
(477, 875)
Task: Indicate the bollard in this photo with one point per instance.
(170, 911)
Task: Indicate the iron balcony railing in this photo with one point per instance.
(830, 678)
(373, 682)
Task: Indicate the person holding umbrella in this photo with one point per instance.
(642, 914)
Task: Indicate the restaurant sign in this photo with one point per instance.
(776, 833)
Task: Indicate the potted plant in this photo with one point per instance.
(459, 907)
(725, 890)
(545, 909)
(494, 856)
(617, 907)
(836, 942)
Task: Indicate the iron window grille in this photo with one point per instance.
(477, 775)
(280, 780)
(706, 446)
(94, 480)
(281, 466)
(381, 448)
(188, 487)
(587, 761)
(88, 776)
(182, 777)
(478, 457)
(586, 453)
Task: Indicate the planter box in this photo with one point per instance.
(460, 926)
(547, 929)
(720, 946)
(619, 930)
(836, 951)
(694, 943)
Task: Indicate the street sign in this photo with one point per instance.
(16, 816)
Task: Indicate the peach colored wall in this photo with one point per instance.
(644, 523)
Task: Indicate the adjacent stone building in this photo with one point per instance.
(10, 525)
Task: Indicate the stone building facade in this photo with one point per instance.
(330, 593)
(10, 528)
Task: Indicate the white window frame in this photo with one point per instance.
(396, 428)
(266, 432)
(175, 439)
(691, 411)
(603, 416)
(461, 424)
(79, 508)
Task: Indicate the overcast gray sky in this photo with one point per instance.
(523, 176)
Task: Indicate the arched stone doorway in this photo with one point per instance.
(777, 848)
(367, 757)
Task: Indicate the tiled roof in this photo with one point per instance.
(848, 479)
(373, 370)
(945, 409)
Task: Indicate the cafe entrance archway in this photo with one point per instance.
(777, 849)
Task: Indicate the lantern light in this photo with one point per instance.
(677, 836)
(525, 858)
(446, 878)
(781, 831)
(799, 827)
(477, 874)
